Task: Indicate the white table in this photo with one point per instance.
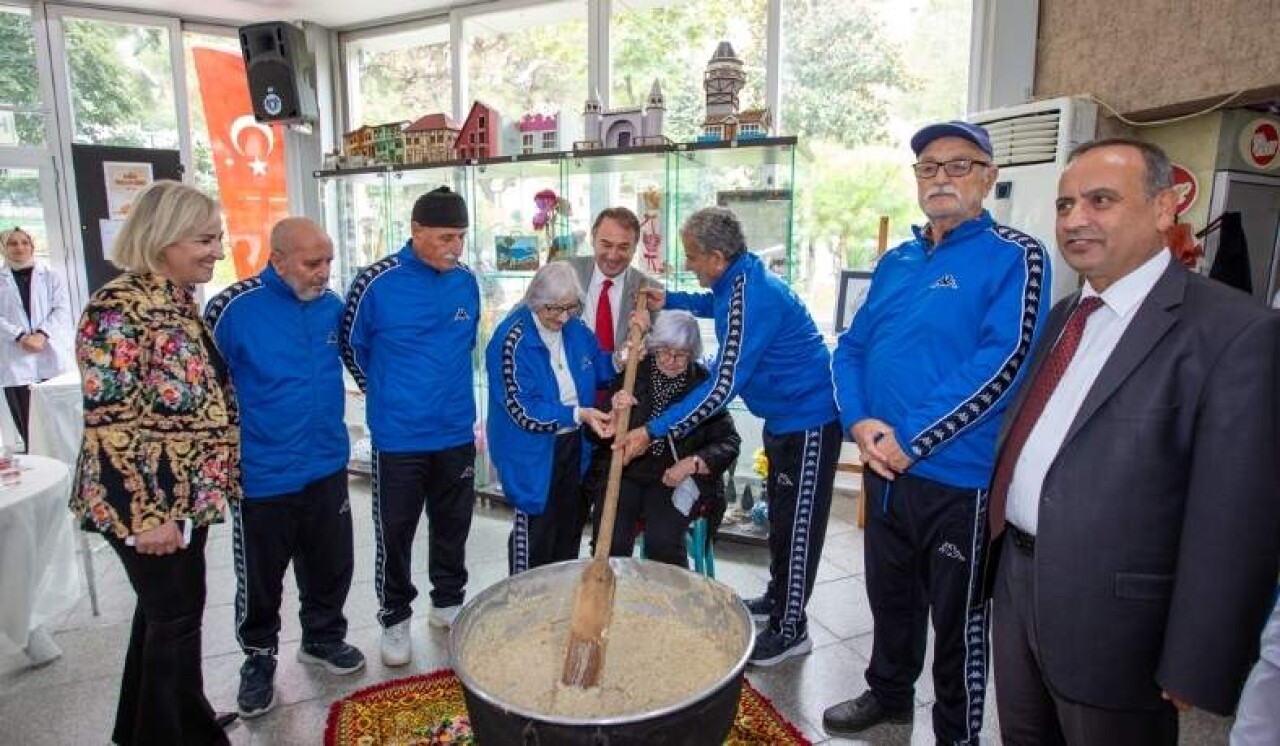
(54, 428)
(57, 418)
(38, 577)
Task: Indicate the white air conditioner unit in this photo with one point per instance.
(1031, 143)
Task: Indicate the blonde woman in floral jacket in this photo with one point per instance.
(160, 453)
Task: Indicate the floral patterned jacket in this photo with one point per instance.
(161, 430)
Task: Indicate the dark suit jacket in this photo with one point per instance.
(1159, 527)
(632, 280)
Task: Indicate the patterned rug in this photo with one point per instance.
(429, 710)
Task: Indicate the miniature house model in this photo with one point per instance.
(623, 128)
(722, 81)
(430, 139)
(540, 133)
(481, 134)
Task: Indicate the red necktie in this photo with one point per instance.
(1042, 387)
(604, 317)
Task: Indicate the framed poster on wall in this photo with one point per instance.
(854, 286)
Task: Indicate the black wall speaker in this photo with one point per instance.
(281, 72)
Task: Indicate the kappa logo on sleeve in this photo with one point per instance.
(946, 282)
(333, 338)
(462, 315)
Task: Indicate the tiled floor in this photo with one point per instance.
(72, 701)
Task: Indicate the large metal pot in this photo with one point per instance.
(702, 718)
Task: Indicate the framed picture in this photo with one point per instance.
(516, 252)
(854, 286)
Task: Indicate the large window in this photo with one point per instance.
(530, 60)
(21, 119)
(122, 90)
(399, 76)
(671, 42)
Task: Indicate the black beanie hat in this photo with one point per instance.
(441, 208)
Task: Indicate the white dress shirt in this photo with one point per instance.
(554, 340)
(593, 300)
(1102, 332)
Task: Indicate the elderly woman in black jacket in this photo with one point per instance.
(674, 481)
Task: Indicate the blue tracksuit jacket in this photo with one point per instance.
(287, 370)
(771, 354)
(939, 346)
(407, 335)
(524, 402)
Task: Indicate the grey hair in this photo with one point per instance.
(716, 229)
(677, 330)
(552, 284)
(1158, 174)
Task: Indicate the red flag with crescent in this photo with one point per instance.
(248, 159)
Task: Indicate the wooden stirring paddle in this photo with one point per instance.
(593, 599)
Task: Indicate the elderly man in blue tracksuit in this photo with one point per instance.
(278, 334)
(922, 377)
(772, 355)
(408, 334)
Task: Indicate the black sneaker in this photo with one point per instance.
(257, 685)
(856, 715)
(336, 657)
(760, 608)
(772, 648)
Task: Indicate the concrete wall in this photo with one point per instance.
(1157, 57)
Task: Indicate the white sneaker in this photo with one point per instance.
(443, 617)
(397, 645)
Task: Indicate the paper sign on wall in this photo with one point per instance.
(124, 181)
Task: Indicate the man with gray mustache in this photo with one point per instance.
(922, 378)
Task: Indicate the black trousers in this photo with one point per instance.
(19, 400)
(162, 698)
(802, 468)
(664, 526)
(404, 484)
(555, 534)
(1030, 711)
(311, 527)
(924, 545)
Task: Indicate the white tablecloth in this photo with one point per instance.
(57, 418)
(38, 575)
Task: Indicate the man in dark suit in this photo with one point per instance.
(610, 284)
(1137, 487)
(608, 273)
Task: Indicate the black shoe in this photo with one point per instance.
(336, 657)
(257, 685)
(856, 715)
(772, 648)
(225, 719)
(760, 608)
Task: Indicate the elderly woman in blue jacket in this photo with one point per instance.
(544, 366)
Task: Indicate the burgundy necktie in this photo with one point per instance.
(1042, 387)
(604, 317)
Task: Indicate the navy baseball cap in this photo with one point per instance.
(974, 133)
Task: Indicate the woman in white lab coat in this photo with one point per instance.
(35, 324)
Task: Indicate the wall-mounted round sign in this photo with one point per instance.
(1185, 186)
(1260, 144)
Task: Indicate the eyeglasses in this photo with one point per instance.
(956, 167)
(675, 356)
(572, 309)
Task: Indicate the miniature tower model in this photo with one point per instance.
(592, 118)
(654, 111)
(722, 81)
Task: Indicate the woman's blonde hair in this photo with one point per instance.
(162, 214)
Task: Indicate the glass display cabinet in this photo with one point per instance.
(527, 210)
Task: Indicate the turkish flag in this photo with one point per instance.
(248, 159)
